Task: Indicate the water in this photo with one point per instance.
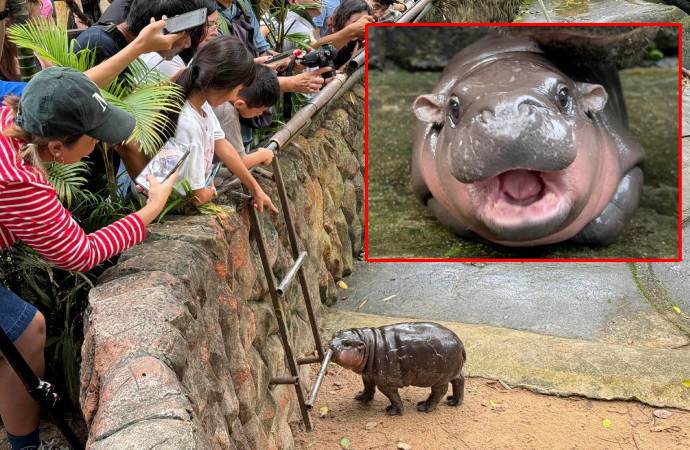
(399, 226)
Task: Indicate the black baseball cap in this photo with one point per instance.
(59, 101)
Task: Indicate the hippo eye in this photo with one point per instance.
(564, 97)
(454, 111)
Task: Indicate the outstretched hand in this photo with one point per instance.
(310, 82)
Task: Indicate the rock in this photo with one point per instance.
(662, 413)
(370, 425)
(618, 11)
(403, 446)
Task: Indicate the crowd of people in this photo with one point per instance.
(60, 116)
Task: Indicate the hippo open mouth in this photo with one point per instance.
(521, 204)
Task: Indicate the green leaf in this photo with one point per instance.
(345, 443)
(67, 179)
(50, 42)
(686, 383)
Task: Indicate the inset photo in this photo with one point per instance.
(523, 142)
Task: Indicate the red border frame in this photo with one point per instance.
(534, 24)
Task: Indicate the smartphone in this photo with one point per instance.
(184, 22)
(168, 159)
(280, 56)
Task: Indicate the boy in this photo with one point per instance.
(251, 103)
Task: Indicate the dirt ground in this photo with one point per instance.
(491, 417)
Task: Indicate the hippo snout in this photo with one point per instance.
(520, 134)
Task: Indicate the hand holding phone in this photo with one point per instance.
(166, 162)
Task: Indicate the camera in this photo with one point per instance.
(323, 57)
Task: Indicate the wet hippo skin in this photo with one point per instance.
(513, 150)
(403, 354)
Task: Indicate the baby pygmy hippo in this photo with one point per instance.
(403, 354)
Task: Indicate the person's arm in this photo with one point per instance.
(259, 40)
(34, 215)
(340, 39)
(151, 39)
(262, 156)
(231, 159)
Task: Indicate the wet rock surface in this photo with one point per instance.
(180, 338)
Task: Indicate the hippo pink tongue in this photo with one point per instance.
(520, 185)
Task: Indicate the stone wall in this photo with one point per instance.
(180, 338)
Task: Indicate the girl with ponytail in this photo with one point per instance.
(219, 70)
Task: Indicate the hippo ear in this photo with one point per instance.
(594, 96)
(430, 107)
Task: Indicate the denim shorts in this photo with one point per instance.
(15, 314)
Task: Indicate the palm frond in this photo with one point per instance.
(51, 43)
(146, 104)
(300, 40)
(67, 180)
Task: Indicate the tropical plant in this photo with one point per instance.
(278, 34)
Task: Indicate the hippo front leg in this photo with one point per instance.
(396, 406)
(367, 394)
(604, 229)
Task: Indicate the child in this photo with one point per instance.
(252, 102)
(215, 76)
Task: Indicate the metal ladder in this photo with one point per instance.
(279, 290)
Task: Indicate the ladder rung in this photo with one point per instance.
(313, 359)
(285, 283)
(283, 380)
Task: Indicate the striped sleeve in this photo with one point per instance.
(32, 213)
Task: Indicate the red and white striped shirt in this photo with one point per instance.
(31, 212)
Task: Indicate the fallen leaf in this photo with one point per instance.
(323, 411)
(362, 304)
(342, 284)
(404, 446)
(390, 297)
(492, 404)
(370, 425)
(606, 423)
(676, 310)
(345, 443)
(686, 383)
(662, 413)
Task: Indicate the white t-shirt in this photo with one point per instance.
(295, 23)
(200, 133)
(168, 67)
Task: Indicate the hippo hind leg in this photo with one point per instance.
(458, 391)
(605, 229)
(437, 393)
(366, 395)
(396, 406)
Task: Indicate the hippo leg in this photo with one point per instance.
(458, 391)
(396, 406)
(367, 394)
(604, 229)
(437, 393)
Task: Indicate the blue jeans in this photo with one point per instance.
(15, 314)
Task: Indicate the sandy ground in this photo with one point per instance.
(492, 417)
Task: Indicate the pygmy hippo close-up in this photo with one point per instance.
(513, 150)
(405, 354)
